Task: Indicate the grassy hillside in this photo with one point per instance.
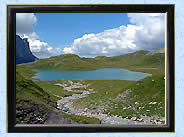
(118, 97)
(139, 59)
(34, 105)
(55, 92)
(127, 98)
(25, 88)
(28, 94)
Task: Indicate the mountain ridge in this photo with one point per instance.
(74, 62)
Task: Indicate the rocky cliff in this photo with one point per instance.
(23, 52)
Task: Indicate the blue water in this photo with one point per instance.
(99, 74)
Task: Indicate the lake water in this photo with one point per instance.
(99, 74)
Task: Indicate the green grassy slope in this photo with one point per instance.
(25, 88)
(130, 98)
(29, 94)
(55, 92)
(118, 97)
(73, 62)
(34, 104)
(125, 98)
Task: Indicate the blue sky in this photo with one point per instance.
(60, 30)
(91, 34)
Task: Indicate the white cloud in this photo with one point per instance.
(68, 50)
(152, 36)
(24, 28)
(145, 33)
(41, 49)
(25, 22)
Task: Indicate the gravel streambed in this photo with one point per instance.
(65, 105)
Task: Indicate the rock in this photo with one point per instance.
(140, 120)
(129, 107)
(26, 119)
(23, 52)
(141, 107)
(70, 82)
(19, 113)
(90, 89)
(136, 103)
(21, 118)
(155, 121)
(134, 118)
(85, 109)
(154, 103)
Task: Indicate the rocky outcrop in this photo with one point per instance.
(23, 52)
(28, 112)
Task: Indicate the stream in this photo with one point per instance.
(65, 105)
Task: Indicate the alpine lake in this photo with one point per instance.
(99, 74)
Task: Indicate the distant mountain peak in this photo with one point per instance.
(23, 52)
